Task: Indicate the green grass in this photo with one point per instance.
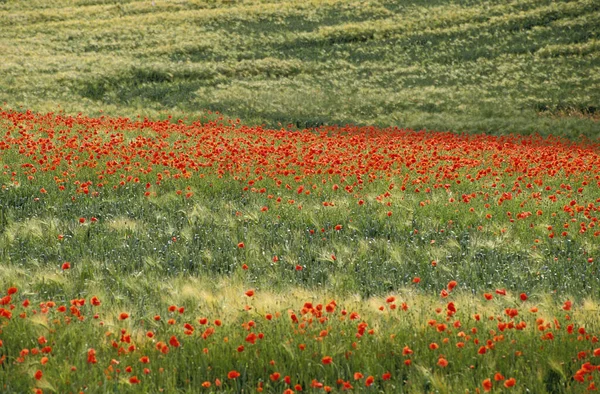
(494, 67)
(374, 254)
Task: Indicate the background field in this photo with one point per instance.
(493, 66)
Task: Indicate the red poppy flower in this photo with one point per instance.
(510, 383)
(487, 385)
(173, 341)
(91, 356)
(523, 297)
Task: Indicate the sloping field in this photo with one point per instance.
(494, 66)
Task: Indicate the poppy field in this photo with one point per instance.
(179, 214)
(203, 255)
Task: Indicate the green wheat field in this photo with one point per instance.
(373, 196)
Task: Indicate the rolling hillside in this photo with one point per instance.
(494, 66)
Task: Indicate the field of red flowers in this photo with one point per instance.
(203, 255)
